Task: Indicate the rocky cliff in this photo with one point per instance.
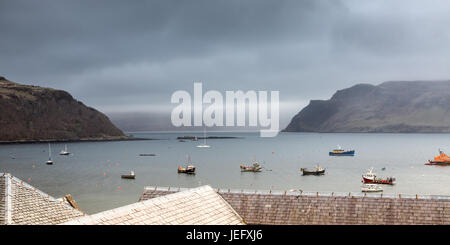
(31, 113)
(391, 107)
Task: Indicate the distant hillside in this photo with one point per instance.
(31, 113)
(391, 107)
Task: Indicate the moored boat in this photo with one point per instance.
(49, 162)
(256, 167)
(441, 159)
(128, 176)
(371, 178)
(204, 145)
(64, 152)
(189, 169)
(341, 152)
(318, 171)
(371, 188)
(147, 155)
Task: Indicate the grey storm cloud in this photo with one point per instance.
(115, 55)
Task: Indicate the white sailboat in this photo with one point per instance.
(49, 162)
(64, 152)
(204, 140)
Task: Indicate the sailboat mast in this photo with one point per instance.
(204, 136)
(49, 152)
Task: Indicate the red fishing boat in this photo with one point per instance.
(442, 159)
(371, 178)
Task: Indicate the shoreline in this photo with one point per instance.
(120, 138)
(362, 132)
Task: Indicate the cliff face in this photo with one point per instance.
(391, 107)
(29, 113)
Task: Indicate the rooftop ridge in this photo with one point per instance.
(117, 214)
(307, 193)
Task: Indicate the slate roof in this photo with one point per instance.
(2, 200)
(296, 208)
(199, 206)
(23, 204)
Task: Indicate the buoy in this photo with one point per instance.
(104, 174)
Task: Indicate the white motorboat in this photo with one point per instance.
(371, 188)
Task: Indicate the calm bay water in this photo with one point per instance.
(92, 173)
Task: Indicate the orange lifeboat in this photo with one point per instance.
(442, 159)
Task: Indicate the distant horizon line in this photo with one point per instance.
(193, 131)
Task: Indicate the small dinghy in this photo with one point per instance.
(128, 176)
(256, 167)
(318, 171)
(371, 188)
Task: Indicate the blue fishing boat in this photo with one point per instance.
(341, 152)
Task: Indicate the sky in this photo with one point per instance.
(124, 57)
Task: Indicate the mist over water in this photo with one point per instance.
(92, 173)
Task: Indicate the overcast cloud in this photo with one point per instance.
(121, 56)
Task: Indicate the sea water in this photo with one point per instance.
(91, 174)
